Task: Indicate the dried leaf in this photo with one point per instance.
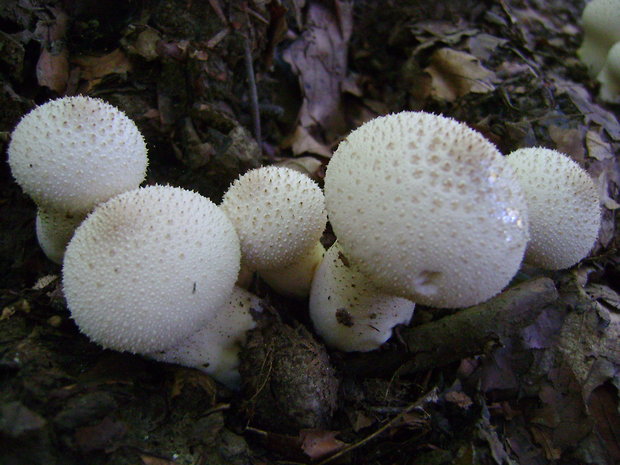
(319, 58)
(95, 68)
(456, 74)
(597, 147)
(150, 460)
(301, 141)
(317, 443)
(53, 64)
(568, 141)
(459, 398)
(187, 377)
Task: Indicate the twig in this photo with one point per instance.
(430, 396)
(249, 67)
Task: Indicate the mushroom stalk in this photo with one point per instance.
(295, 280)
(348, 311)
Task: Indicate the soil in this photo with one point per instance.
(223, 86)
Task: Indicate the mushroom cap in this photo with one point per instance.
(600, 24)
(214, 348)
(427, 208)
(54, 230)
(75, 152)
(148, 267)
(279, 215)
(563, 207)
(348, 311)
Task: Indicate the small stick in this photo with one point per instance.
(252, 84)
(427, 398)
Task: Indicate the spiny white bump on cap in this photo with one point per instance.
(148, 267)
(600, 25)
(563, 205)
(54, 230)
(279, 214)
(214, 348)
(348, 311)
(609, 77)
(75, 152)
(427, 208)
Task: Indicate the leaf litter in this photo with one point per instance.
(549, 393)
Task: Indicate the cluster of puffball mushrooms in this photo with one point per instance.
(424, 209)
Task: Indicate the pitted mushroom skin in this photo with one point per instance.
(148, 267)
(72, 153)
(563, 205)
(427, 208)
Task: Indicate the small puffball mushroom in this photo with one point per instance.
(279, 215)
(563, 206)
(148, 267)
(609, 77)
(75, 152)
(214, 348)
(427, 208)
(54, 230)
(600, 24)
(348, 311)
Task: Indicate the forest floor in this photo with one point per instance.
(221, 86)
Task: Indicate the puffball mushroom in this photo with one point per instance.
(427, 208)
(214, 348)
(279, 215)
(71, 154)
(348, 311)
(54, 230)
(563, 206)
(148, 267)
(600, 24)
(609, 77)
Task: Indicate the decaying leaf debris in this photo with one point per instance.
(542, 387)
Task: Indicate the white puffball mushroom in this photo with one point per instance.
(295, 280)
(279, 215)
(600, 21)
(609, 77)
(54, 230)
(148, 267)
(75, 152)
(348, 311)
(563, 206)
(215, 347)
(427, 208)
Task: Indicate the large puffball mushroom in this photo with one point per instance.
(563, 207)
(148, 267)
(348, 311)
(54, 230)
(427, 208)
(609, 77)
(600, 24)
(279, 215)
(214, 348)
(75, 152)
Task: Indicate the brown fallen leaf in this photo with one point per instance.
(53, 64)
(317, 443)
(456, 74)
(319, 59)
(150, 460)
(301, 141)
(95, 68)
